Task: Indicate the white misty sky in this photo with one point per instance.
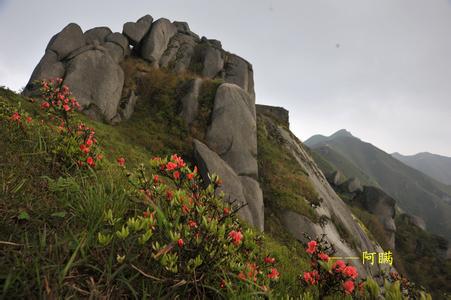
(379, 68)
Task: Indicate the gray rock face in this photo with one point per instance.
(115, 51)
(210, 163)
(135, 31)
(382, 206)
(233, 131)
(239, 72)
(67, 40)
(97, 34)
(417, 221)
(254, 197)
(178, 53)
(213, 62)
(190, 102)
(278, 113)
(96, 80)
(119, 40)
(48, 67)
(156, 42)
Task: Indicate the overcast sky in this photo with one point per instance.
(379, 68)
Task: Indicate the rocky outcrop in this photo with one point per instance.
(172, 46)
(156, 42)
(97, 81)
(335, 178)
(352, 185)
(135, 31)
(377, 202)
(332, 208)
(233, 131)
(247, 194)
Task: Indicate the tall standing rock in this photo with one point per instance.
(190, 102)
(97, 81)
(233, 131)
(155, 43)
(210, 163)
(135, 31)
(67, 40)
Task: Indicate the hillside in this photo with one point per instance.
(87, 209)
(433, 165)
(415, 192)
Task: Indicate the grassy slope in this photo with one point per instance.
(53, 220)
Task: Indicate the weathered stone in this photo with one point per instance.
(190, 101)
(155, 43)
(96, 79)
(47, 68)
(183, 28)
(67, 40)
(254, 198)
(377, 202)
(209, 162)
(280, 114)
(417, 221)
(213, 62)
(115, 51)
(80, 50)
(120, 40)
(233, 133)
(178, 53)
(127, 106)
(352, 185)
(135, 31)
(97, 34)
(237, 71)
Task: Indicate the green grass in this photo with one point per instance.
(50, 217)
(286, 186)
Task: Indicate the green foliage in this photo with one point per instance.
(285, 184)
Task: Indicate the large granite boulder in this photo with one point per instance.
(135, 31)
(119, 40)
(352, 185)
(233, 131)
(335, 178)
(97, 34)
(209, 162)
(48, 67)
(190, 101)
(96, 80)
(213, 62)
(156, 42)
(67, 40)
(178, 54)
(240, 72)
(254, 197)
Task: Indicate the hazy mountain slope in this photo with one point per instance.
(436, 166)
(415, 192)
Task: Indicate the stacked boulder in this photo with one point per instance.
(90, 64)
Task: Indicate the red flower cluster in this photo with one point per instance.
(236, 237)
(57, 96)
(330, 278)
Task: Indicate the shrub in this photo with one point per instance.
(185, 239)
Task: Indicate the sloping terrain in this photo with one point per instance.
(433, 165)
(415, 192)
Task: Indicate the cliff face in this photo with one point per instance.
(94, 65)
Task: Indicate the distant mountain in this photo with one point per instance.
(436, 166)
(415, 192)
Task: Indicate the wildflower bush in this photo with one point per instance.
(186, 239)
(76, 143)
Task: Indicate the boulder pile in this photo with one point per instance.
(90, 65)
